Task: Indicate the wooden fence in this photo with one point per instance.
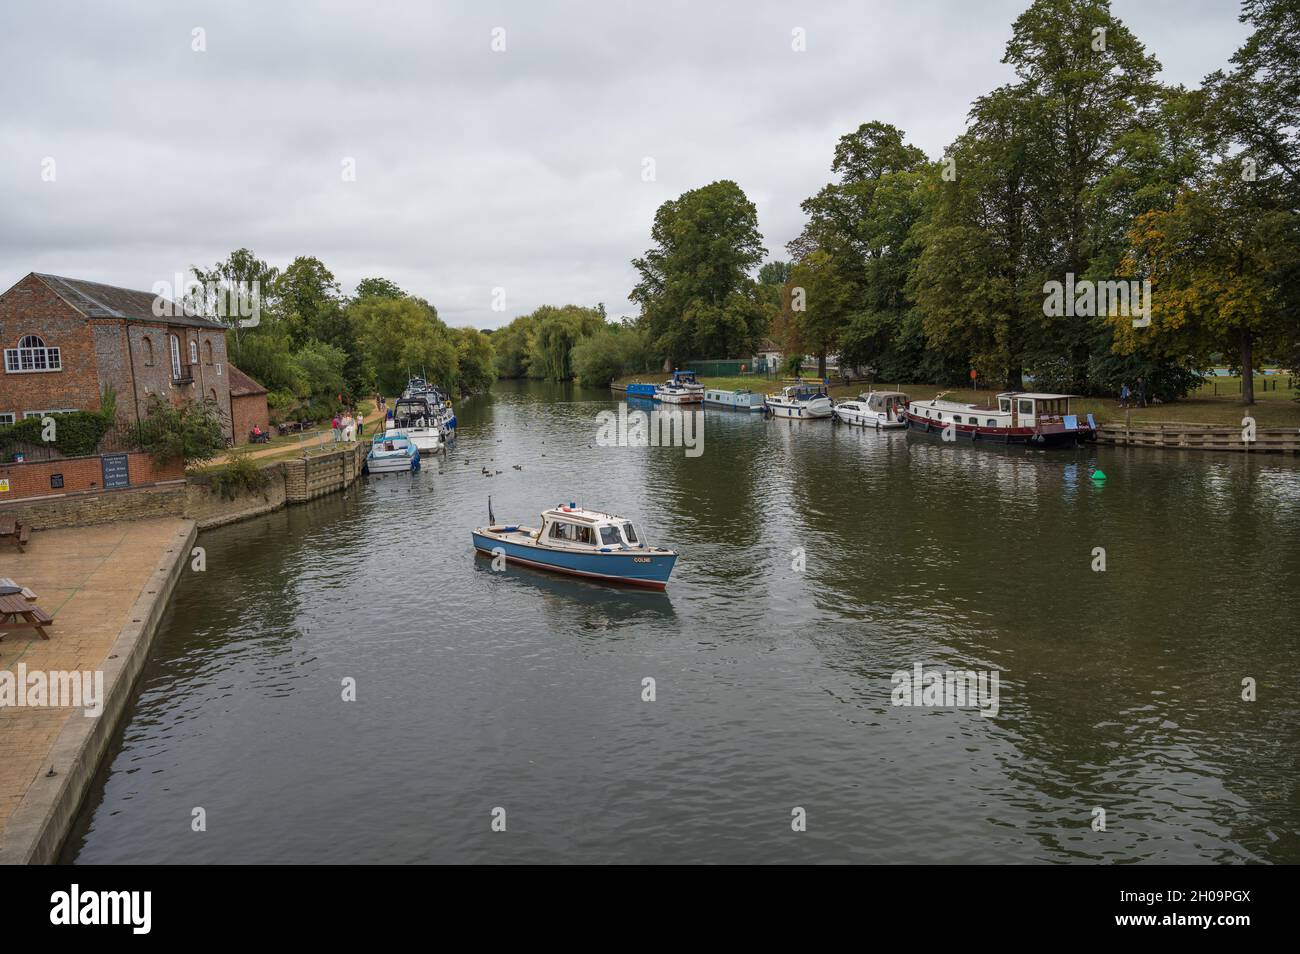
(1280, 440)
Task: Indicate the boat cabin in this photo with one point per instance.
(685, 379)
(890, 403)
(571, 526)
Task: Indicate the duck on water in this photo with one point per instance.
(579, 542)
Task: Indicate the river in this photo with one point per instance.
(816, 562)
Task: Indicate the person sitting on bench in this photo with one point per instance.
(258, 436)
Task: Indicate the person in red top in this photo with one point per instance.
(335, 425)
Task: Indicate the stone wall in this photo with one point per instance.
(81, 510)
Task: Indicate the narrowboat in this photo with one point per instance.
(879, 409)
(580, 542)
(391, 452)
(641, 390)
(804, 400)
(1016, 417)
(741, 399)
(683, 388)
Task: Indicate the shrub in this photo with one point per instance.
(191, 432)
(241, 476)
(75, 435)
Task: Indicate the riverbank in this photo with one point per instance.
(107, 588)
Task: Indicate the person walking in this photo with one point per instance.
(1124, 394)
(1142, 393)
(334, 425)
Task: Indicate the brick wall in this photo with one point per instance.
(30, 308)
(152, 357)
(247, 410)
(80, 474)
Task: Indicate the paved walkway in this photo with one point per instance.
(88, 578)
(281, 445)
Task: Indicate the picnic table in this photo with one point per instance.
(11, 531)
(18, 610)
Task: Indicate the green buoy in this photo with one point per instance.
(1097, 474)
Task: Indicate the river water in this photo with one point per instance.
(817, 561)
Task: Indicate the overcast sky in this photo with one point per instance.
(475, 169)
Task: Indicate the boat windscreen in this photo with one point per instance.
(629, 533)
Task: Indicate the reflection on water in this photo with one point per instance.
(1119, 689)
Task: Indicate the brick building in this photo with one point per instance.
(247, 405)
(65, 340)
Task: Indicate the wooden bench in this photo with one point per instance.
(11, 531)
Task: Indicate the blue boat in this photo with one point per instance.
(580, 542)
(641, 390)
(391, 452)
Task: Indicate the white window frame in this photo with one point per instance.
(30, 358)
(13, 418)
(194, 351)
(55, 410)
(176, 356)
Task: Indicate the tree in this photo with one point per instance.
(856, 242)
(1214, 261)
(695, 292)
(404, 336)
(474, 365)
(378, 288)
(825, 295)
(552, 335)
(241, 274)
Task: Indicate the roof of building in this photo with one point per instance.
(241, 385)
(95, 300)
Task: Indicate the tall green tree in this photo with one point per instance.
(696, 294)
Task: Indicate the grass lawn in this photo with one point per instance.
(1271, 409)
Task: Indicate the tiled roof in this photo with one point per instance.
(241, 385)
(108, 301)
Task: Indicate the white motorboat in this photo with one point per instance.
(879, 409)
(800, 401)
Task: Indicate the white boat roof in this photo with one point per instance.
(1037, 395)
(582, 515)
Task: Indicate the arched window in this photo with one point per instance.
(32, 355)
(212, 395)
(207, 350)
(194, 351)
(176, 357)
(148, 351)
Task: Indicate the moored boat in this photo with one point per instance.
(804, 401)
(683, 388)
(879, 409)
(421, 422)
(391, 452)
(1017, 417)
(741, 399)
(580, 542)
(641, 389)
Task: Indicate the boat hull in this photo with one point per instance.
(392, 464)
(635, 568)
(866, 419)
(1050, 436)
(808, 411)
